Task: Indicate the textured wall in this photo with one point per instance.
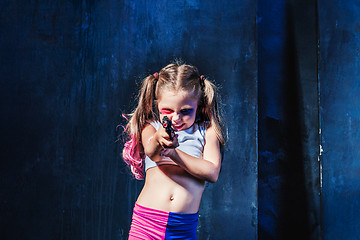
(288, 165)
(339, 75)
(68, 71)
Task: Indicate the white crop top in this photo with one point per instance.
(191, 141)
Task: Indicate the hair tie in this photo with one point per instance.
(156, 76)
(202, 81)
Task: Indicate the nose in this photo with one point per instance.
(176, 118)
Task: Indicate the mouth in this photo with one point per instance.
(179, 126)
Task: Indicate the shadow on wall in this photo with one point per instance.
(288, 140)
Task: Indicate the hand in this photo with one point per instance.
(168, 152)
(164, 139)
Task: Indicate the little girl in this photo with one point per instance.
(177, 162)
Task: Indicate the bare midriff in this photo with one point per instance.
(172, 189)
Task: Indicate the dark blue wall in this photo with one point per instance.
(339, 75)
(68, 71)
(289, 187)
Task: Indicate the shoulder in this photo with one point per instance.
(212, 146)
(150, 128)
(206, 130)
(152, 125)
(210, 132)
(155, 124)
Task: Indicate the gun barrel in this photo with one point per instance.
(166, 123)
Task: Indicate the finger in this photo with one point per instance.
(173, 135)
(162, 152)
(164, 135)
(175, 144)
(167, 143)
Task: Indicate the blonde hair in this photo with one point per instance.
(178, 77)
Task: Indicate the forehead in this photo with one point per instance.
(176, 99)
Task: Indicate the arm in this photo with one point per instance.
(206, 168)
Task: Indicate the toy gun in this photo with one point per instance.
(166, 123)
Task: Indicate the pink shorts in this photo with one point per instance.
(154, 224)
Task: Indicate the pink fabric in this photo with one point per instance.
(148, 223)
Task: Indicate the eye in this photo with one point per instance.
(186, 111)
(166, 111)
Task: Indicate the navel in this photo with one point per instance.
(171, 198)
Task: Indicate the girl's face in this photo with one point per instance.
(179, 106)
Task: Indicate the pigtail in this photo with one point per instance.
(210, 108)
(133, 152)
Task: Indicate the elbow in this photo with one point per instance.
(213, 176)
(212, 179)
(148, 153)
